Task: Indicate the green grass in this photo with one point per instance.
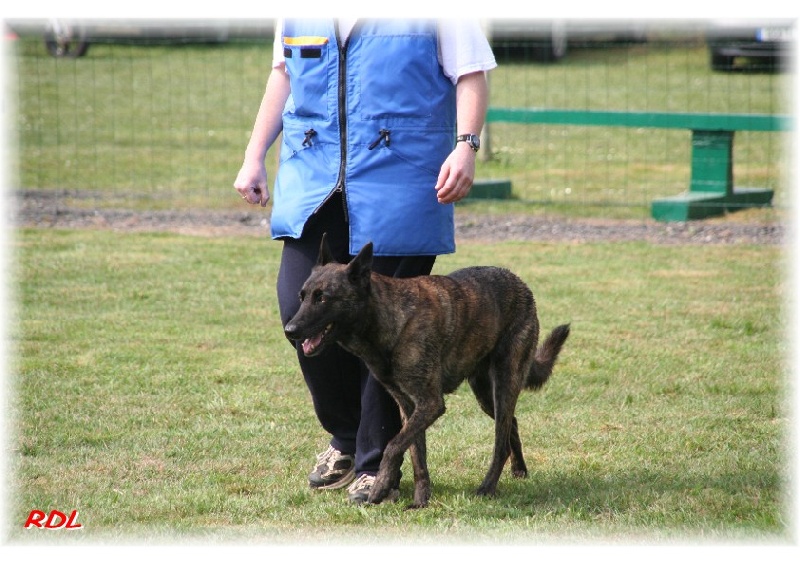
(167, 126)
(154, 393)
(578, 168)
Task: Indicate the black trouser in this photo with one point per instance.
(350, 404)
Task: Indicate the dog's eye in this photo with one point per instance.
(318, 297)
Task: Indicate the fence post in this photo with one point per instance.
(485, 154)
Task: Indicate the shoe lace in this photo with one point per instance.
(328, 455)
(362, 482)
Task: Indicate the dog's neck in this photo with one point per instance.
(375, 340)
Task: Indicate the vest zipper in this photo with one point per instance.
(309, 134)
(383, 134)
(342, 114)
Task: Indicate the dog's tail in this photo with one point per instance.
(546, 355)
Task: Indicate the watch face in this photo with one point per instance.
(472, 140)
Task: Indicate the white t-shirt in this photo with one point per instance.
(463, 48)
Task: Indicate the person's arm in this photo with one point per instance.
(251, 182)
(458, 170)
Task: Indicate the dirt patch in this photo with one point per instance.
(46, 209)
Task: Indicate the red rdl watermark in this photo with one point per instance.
(54, 520)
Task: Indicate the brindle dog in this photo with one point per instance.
(422, 337)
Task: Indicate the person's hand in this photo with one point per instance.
(456, 175)
(251, 183)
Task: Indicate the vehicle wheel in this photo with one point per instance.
(721, 62)
(65, 40)
(554, 47)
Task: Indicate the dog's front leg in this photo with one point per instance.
(389, 469)
(388, 475)
(422, 480)
(426, 412)
(418, 452)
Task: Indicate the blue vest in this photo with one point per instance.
(374, 118)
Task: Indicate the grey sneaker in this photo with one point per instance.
(333, 470)
(358, 492)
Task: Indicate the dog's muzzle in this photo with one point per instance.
(311, 345)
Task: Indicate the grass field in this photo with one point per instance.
(167, 126)
(155, 394)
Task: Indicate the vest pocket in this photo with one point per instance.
(397, 77)
(403, 154)
(307, 66)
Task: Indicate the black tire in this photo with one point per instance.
(721, 62)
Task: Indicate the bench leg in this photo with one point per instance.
(711, 191)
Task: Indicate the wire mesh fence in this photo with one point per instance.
(677, 359)
(164, 124)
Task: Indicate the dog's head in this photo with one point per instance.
(331, 300)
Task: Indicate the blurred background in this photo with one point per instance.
(156, 114)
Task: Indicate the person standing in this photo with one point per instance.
(380, 122)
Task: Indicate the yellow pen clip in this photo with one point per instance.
(306, 40)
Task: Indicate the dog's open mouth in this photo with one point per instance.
(313, 345)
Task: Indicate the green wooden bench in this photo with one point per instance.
(711, 191)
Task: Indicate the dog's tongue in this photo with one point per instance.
(310, 344)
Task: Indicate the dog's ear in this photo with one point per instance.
(360, 268)
(325, 255)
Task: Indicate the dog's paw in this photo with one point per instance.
(489, 491)
(422, 493)
(378, 493)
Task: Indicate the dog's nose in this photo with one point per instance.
(290, 331)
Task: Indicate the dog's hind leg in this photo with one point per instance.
(482, 388)
(502, 450)
(518, 468)
(505, 383)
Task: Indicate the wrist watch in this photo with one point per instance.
(472, 140)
